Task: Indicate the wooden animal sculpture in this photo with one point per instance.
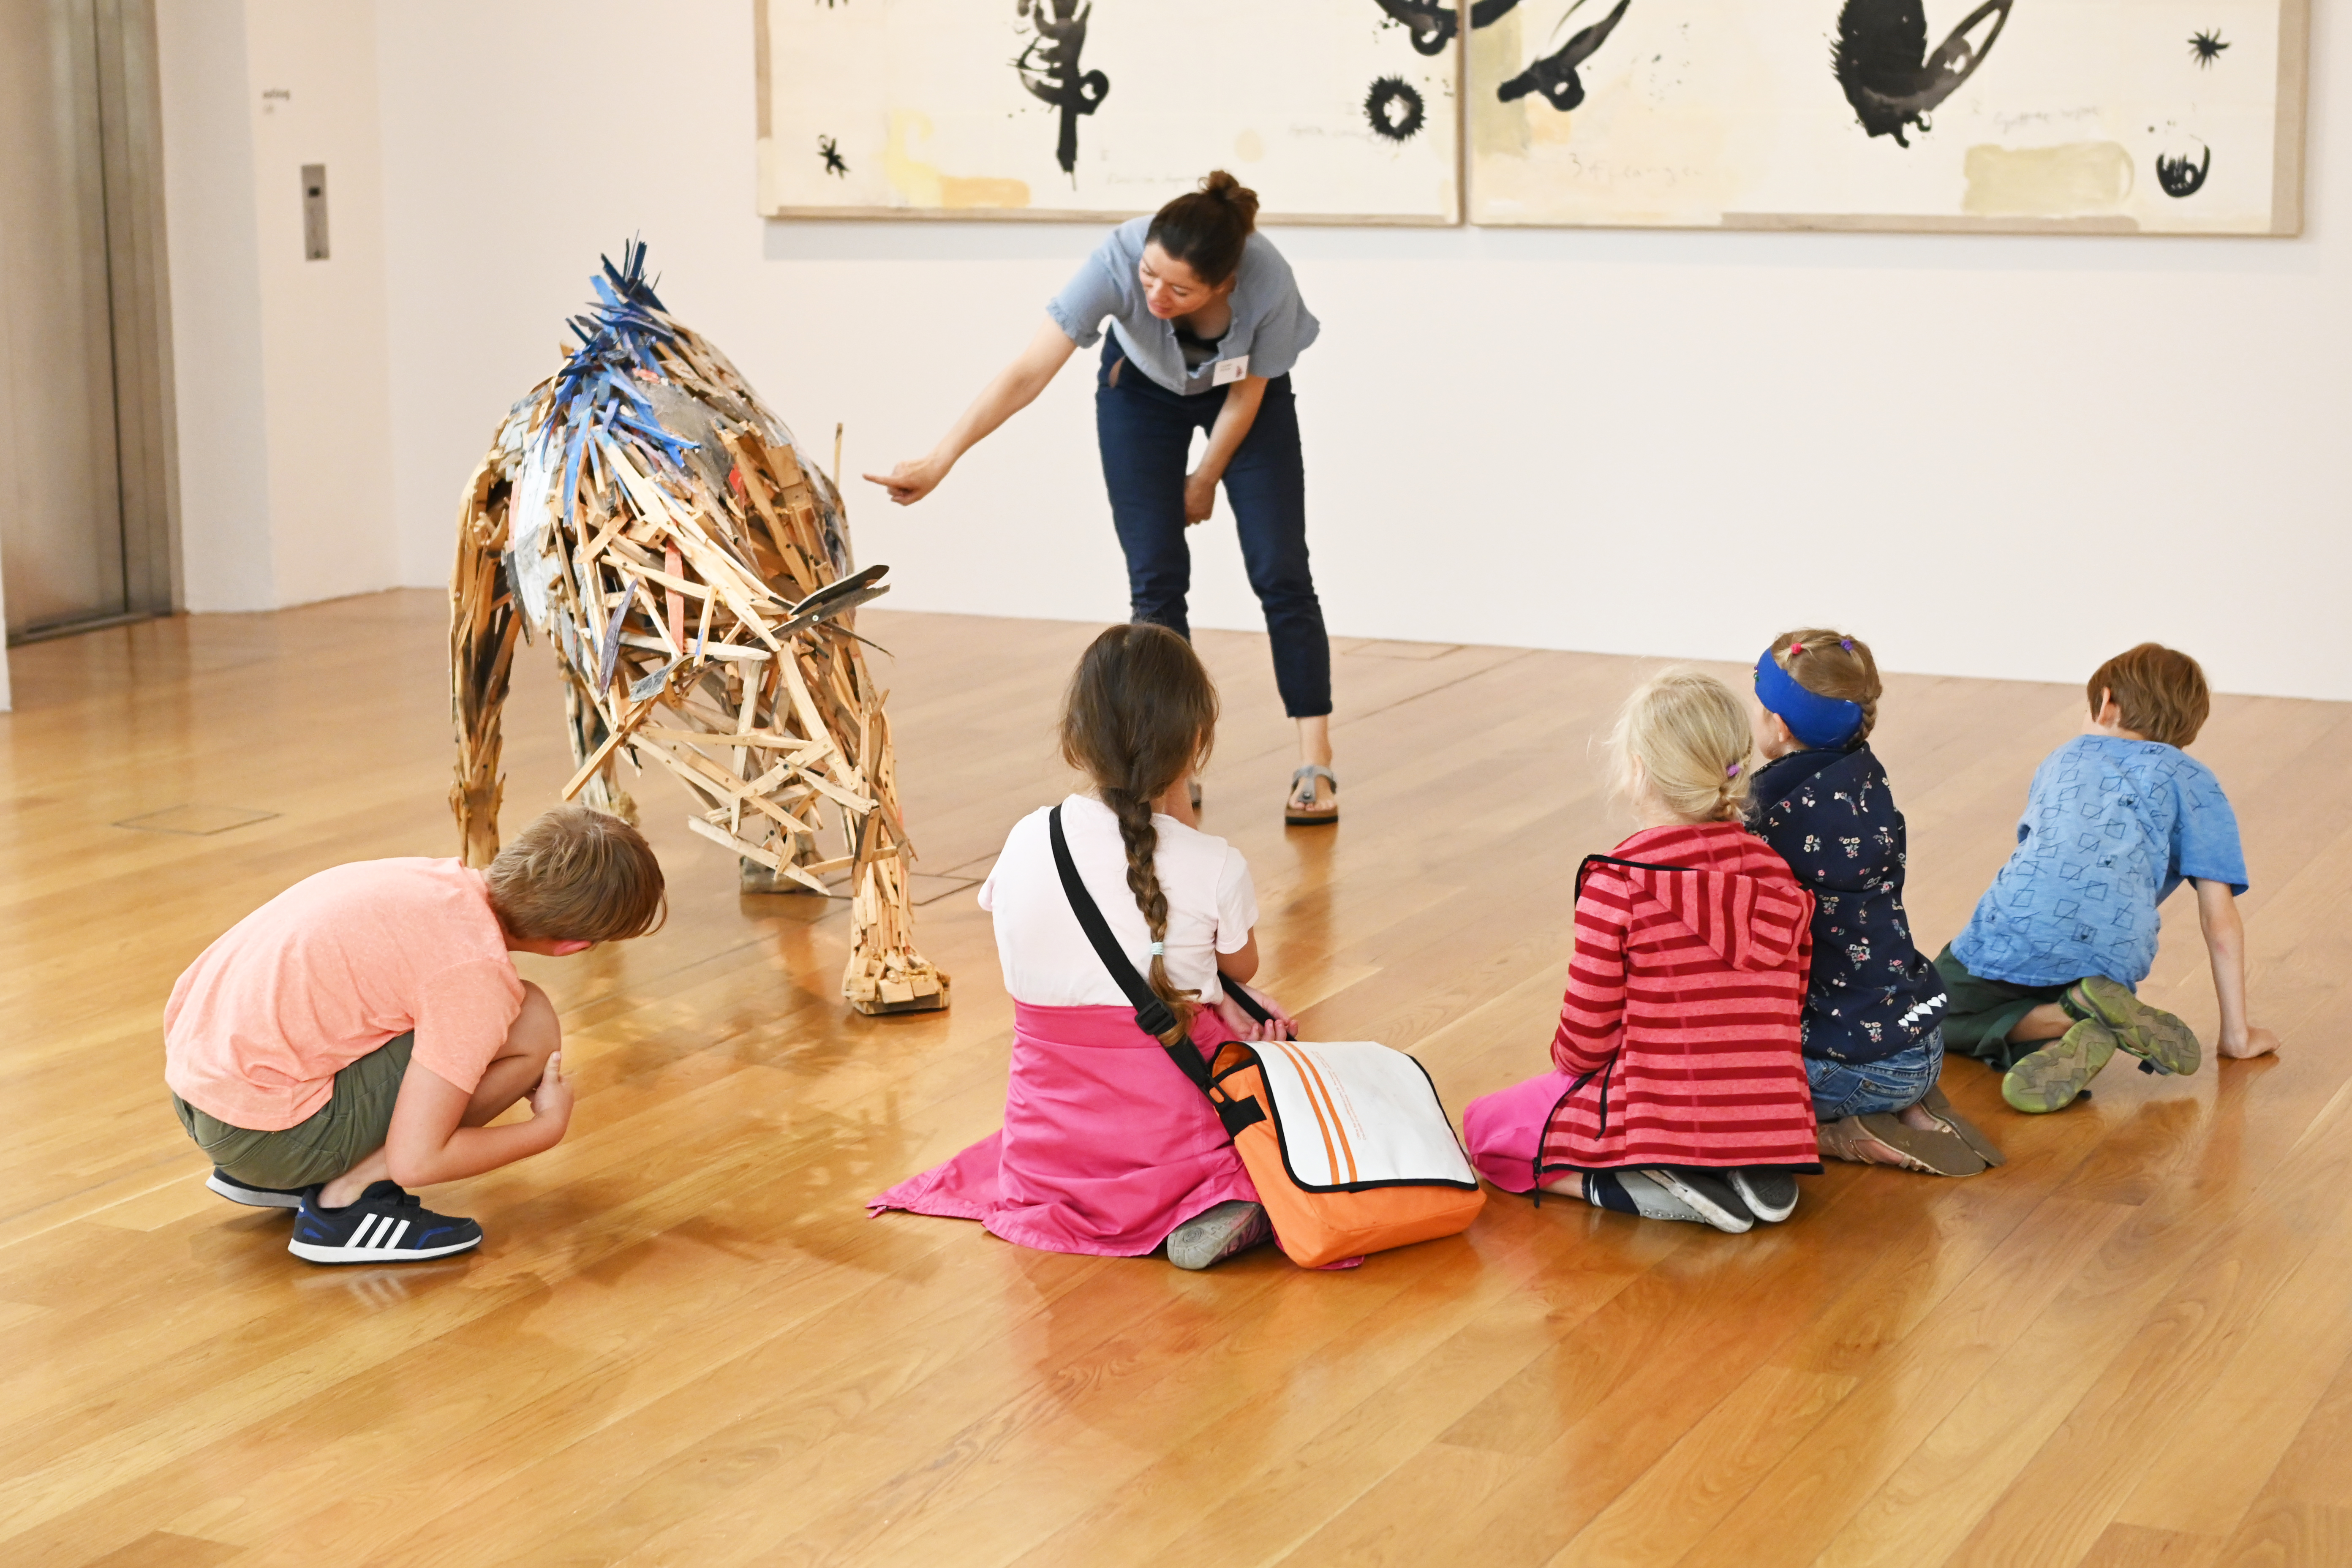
(644, 513)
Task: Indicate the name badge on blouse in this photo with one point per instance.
(1229, 370)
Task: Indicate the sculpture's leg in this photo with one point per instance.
(885, 974)
(584, 726)
(482, 631)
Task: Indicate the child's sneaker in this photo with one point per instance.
(2050, 1078)
(1771, 1195)
(1692, 1196)
(1234, 1226)
(245, 1193)
(2149, 1033)
(385, 1224)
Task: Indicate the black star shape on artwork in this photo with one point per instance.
(2207, 48)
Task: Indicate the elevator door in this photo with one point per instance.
(62, 556)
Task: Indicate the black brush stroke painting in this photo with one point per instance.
(1555, 76)
(1889, 75)
(2184, 175)
(2206, 47)
(830, 151)
(1431, 27)
(1049, 68)
(1395, 109)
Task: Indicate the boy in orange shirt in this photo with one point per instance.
(355, 1035)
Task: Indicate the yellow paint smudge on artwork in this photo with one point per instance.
(1498, 129)
(922, 184)
(1249, 146)
(2072, 180)
(983, 193)
(1546, 126)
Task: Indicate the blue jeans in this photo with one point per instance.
(1865, 1089)
(1145, 434)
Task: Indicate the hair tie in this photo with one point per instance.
(1732, 772)
(1846, 643)
(1158, 950)
(1795, 649)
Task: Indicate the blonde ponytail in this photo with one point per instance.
(1683, 736)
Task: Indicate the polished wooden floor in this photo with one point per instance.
(684, 1341)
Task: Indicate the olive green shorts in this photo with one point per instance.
(350, 1127)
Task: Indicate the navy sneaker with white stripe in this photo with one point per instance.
(245, 1193)
(385, 1224)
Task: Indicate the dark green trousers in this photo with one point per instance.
(1978, 1013)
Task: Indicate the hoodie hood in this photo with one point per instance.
(1742, 902)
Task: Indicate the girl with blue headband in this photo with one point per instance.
(1873, 1044)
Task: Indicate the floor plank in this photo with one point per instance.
(685, 1342)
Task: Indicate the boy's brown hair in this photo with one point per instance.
(577, 874)
(1833, 665)
(2161, 693)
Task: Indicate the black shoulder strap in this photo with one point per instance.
(1584, 867)
(1152, 1015)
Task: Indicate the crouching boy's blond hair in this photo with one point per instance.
(577, 874)
(1683, 737)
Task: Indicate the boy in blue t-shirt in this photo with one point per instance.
(2040, 981)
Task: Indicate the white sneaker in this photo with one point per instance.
(1694, 1197)
(1706, 1191)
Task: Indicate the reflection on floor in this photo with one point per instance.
(685, 1343)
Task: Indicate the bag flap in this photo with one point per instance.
(1355, 1114)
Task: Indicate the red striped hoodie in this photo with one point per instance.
(1680, 1025)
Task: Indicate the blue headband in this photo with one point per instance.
(1821, 722)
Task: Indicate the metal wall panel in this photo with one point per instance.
(85, 459)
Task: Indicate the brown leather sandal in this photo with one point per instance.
(1934, 1103)
(1884, 1140)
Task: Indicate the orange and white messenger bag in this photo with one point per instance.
(1347, 1142)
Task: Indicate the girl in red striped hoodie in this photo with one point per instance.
(1679, 1088)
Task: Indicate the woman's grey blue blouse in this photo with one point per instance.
(1271, 324)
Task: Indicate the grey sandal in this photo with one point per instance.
(1293, 816)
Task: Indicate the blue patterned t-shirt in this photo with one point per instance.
(2111, 827)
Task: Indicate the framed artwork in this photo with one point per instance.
(1332, 110)
(2117, 116)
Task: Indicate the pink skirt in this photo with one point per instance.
(1504, 1129)
(1106, 1147)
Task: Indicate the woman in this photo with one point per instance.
(1206, 321)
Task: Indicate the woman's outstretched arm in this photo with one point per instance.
(1013, 389)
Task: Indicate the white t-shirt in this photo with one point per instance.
(1048, 962)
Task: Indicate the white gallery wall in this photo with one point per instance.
(1995, 456)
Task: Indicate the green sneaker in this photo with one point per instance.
(2050, 1078)
(2149, 1033)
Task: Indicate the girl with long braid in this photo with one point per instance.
(1107, 1147)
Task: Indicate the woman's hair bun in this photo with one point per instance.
(1206, 228)
(1233, 192)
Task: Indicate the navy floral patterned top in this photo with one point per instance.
(1832, 816)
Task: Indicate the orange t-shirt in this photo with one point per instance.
(328, 970)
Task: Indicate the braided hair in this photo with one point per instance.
(1834, 665)
(1139, 714)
